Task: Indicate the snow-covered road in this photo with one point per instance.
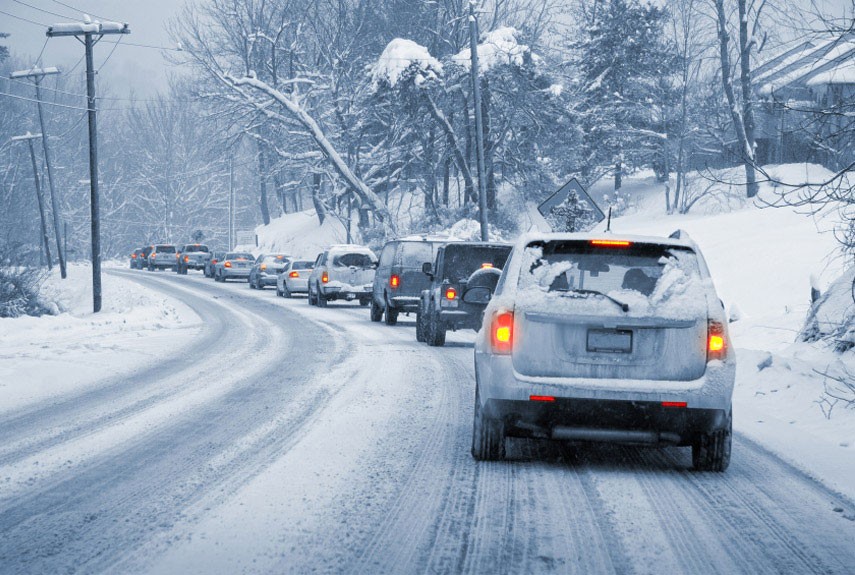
(288, 438)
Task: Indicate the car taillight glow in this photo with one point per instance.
(541, 398)
(177, 256)
(134, 256)
(674, 404)
(227, 265)
(611, 243)
(486, 265)
(394, 281)
(213, 261)
(716, 344)
(186, 259)
(294, 275)
(450, 293)
(502, 332)
(263, 267)
(325, 277)
(153, 255)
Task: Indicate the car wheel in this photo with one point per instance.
(390, 316)
(321, 299)
(376, 311)
(364, 301)
(488, 434)
(434, 329)
(420, 328)
(285, 291)
(711, 451)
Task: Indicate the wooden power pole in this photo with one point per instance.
(91, 33)
(28, 137)
(479, 122)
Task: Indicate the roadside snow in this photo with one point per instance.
(299, 235)
(42, 358)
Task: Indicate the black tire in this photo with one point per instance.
(711, 451)
(376, 311)
(364, 301)
(434, 329)
(488, 434)
(390, 316)
(420, 327)
(320, 298)
(285, 291)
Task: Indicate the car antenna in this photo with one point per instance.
(609, 221)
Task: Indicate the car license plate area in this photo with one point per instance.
(609, 341)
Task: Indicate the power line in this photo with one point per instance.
(24, 19)
(41, 9)
(104, 63)
(42, 101)
(79, 10)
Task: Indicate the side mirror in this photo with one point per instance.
(427, 269)
(478, 295)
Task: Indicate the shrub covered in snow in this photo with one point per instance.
(832, 316)
(20, 285)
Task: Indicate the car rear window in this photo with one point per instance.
(353, 259)
(414, 254)
(462, 260)
(302, 265)
(195, 248)
(165, 249)
(238, 256)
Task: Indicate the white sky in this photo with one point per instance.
(142, 71)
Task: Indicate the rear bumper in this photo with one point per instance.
(296, 285)
(405, 302)
(461, 318)
(338, 290)
(233, 273)
(267, 279)
(613, 421)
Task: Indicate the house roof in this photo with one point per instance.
(811, 63)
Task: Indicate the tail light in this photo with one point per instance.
(134, 256)
(177, 256)
(450, 293)
(716, 343)
(394, 281)
(502, 332)
(153, 255)
(611, 243)
(486, 265)
(325, 277)
(294, 275)
(546, 398)
(263, 267)
(227, 265)
(186, 259)
(213, 261)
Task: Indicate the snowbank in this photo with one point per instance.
(299, 235)
(45, 357)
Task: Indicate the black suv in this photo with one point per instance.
(444, 305)
(399, 280)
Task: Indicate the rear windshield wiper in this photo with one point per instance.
(620, 304)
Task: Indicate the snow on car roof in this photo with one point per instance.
(677, 239)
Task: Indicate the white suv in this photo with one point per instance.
(342, 272)
(605, 338)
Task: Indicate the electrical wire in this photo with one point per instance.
(25, 19)
(42, 9)
(104, 63)
(81, 11)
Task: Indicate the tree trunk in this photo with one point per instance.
(747, 96)
(489, 148)
(320, 210)
(262, 175)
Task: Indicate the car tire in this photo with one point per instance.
(364, 301)
(420, 327)
(376, 311)
(285, 291)
(488, 434)
(434, 329)
(320, 298)
(390, 316)
(711, 451)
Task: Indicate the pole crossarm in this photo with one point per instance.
(81, 28)
(27, 136)
(34, 72)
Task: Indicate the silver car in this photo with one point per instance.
(233, 265)
(342, 272)
(294, 278)
(263, 273)
(604, 338)
(161, 257)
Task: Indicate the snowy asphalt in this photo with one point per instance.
(295, 439)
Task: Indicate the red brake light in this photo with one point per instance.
(611, 243)
(227, 265)
(394, 281)
(134, 256)
(294, 275)
(263, 267)
(213, 260)
(153, 255)
(186, 259)
(177, 256)
(486, 265)
(541, 398)
(450, 293)
(716, 344)
(502, 332)
(325, 277)
(674, 404)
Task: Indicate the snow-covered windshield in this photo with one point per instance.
(238, 256)
(353, 260)
(642, 276)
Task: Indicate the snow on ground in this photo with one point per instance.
(42, 358)
(299, 235)
(762, 261)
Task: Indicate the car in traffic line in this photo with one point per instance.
(342, 272)
(136, 259)
(400, 280)
(192, 257)
(161, 257)
(233, 265)
(211, 263)
(294, 278)
(265, 269)
(605, 338)
(442, 306)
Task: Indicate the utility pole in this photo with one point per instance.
(479, 133)
(37, 74)
(45, 242)
(231, 202)
(88, 30)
